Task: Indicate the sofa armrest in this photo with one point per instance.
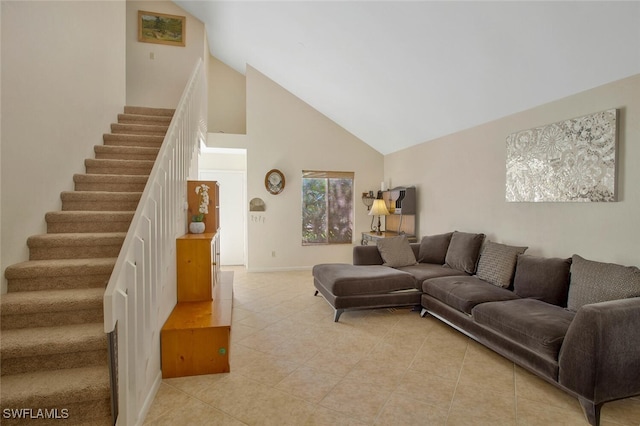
(600, 355)
(366, 255)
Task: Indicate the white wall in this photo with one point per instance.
(159, 82)
(227, 99)
(287, 134)
(461, 183)
(63, 83)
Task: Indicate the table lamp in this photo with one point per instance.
(379, 208)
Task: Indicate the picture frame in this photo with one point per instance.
(160, 28)
(572, 160)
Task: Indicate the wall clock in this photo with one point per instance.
(274, 181)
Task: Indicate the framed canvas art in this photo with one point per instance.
(161, 28)
(572, 160)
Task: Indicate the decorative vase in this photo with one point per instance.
(196, 227)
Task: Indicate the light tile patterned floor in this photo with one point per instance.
(292, 365)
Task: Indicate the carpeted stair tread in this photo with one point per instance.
(161, 120)
(118, 167)
(77, 245)
(109, 182)
(131, 109)
(120, 139)
(134, 164)
(106, 152)
(91, 220)
(138, 129)
(100, 201)
(89, 216)
(56, 387)
(40, 341)
(32, 302)
(126, 150)
(77, 238)
(99, 195)
(60, 274)
(60, 267)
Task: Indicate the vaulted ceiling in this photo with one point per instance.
(396, 74)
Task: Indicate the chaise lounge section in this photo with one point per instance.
(372, 282)
(347, 286)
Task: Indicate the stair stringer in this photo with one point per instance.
(141, 291)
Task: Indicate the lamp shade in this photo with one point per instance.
(379, 208)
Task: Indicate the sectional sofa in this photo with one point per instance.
(573, 322)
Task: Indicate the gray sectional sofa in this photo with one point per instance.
(573, 322)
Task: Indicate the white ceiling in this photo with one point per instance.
(396, 74)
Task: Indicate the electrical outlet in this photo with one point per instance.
(273, 253)
(152, 55)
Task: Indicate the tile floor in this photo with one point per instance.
(292, 365)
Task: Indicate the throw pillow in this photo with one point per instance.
(396, 251)
(593, 282)
(433, 248)
(463, 251)
(497, 263)
(542, 278)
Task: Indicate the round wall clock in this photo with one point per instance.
(274, 181)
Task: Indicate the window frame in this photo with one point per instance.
(319, 174)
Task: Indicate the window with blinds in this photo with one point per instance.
(327, 207)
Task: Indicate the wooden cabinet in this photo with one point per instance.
(197, 264)
(195, 339)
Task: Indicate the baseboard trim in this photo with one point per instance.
(281, 269)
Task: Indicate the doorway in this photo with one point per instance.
(233, 195)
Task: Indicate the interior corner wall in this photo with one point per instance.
(285, 133)
(227, 99)
(461, 181)
(159, 82)
(63, 83)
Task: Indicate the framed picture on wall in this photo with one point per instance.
(161, 28)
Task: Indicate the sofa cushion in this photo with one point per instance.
(542, 278)
(593, 282)
(396, 251)
(463, 251)
(343, 279)
(425, 271)
(532, 323)
(464, 292)
(433, 248)
(498, 262)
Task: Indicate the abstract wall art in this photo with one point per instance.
(572, 160)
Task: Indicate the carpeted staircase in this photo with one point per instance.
(53, 349)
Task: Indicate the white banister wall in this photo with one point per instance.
(141, 291)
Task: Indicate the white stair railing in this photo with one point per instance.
(142, 284)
